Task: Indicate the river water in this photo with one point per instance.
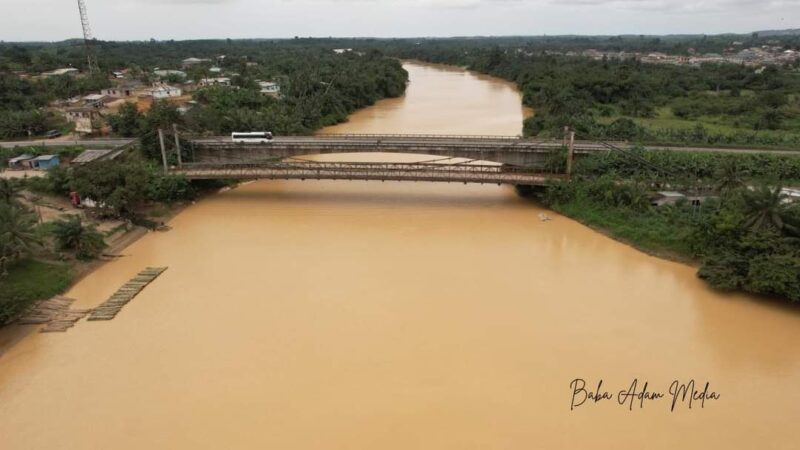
(368, 315)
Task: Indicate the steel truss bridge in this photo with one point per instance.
(463, 159)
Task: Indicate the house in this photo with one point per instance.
(59, 72)
(45, 162)
(161, 91)
(80, 112)
(189, 62)
(122, 91)
(215, 70)
(163, 73)
(270, 88)
(667, 198)
(20, 162)
(96, 155)
(340, 51)
(221, 81)
(671, 198)
(85, 118)
(96, 100)
(792, 194)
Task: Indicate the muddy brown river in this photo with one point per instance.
(393, 316)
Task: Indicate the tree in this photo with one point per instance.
(118, 187)
(9, 193)
(84, 240)
(766, 207)
(17, 237)
(730, 176)
(128, 122)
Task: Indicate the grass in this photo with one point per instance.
(665, 119)
(28, 281)
(648, 231)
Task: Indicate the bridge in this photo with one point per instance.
(463, 159)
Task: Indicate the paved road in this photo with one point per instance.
(102, 142)
(476, 141)
(466, 141)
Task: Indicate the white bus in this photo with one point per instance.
(252, 137)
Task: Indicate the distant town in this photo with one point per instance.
(735, 54)
(88, 112)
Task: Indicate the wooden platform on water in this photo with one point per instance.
(111, 307)
(55, 314)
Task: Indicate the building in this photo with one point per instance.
(97, 100)
(221, 81)
(96, 155)
(189, 62)
(85, 118)
(161, 91)
(215, 70)
(20, 162)
(45, 162)
(59, 72)
(122, 91)
(163, 73)
(270, 88)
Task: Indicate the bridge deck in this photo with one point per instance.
(455, 173)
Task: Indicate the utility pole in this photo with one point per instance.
(163, 150)
(177, 144)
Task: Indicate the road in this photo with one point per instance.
(478, 141)
(94, 143)
(404, 139)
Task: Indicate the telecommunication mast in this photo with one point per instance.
(88, 40)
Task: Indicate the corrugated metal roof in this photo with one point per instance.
(96, 155)
(20, 158)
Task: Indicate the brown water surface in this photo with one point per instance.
(366, 315)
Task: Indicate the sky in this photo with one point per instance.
(53, 20)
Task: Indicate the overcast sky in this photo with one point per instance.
(27, 20)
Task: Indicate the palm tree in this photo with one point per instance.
(730, 176)
(767, 207)
(8, 192)
(72, 234)
(17, 237)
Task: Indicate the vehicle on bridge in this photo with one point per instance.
(252, 137)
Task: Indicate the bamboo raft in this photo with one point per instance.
(55, 314)
(111, 307)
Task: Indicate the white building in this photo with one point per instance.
(161, 91)
(188, 62)
(166, 73)
(59, 72)
(221, 81)
(270, 88)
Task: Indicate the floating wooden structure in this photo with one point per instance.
(55, 314)
(111, 307)
(46, 310)
(65, 320)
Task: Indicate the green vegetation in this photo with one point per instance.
(715, 104)
(23, 280)
(30, 280)
(745, 235)
(73, 235)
